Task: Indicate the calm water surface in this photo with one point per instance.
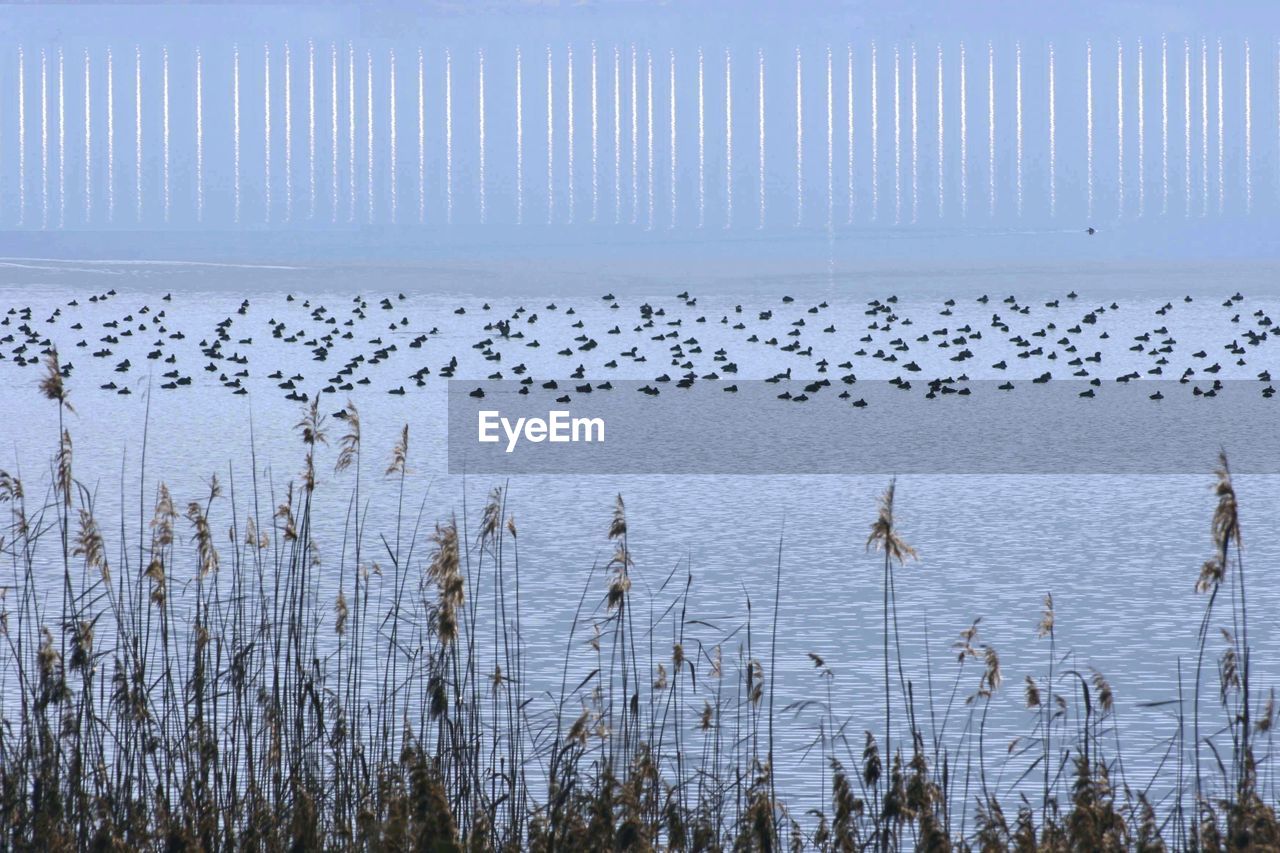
(1119, 554)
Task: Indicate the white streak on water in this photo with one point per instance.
(393, 180)
(333, 131)
(1018, 124)
(1119, 128)
(1142, 133)
(351, 132)
(1164, 125)
(62, 144)
(617, 135)
(1222, 180)
(266, 129)
(915, 140)
(1204, 128)
(964, 137)
(311, 129)
(830, 145)
(422, 141)
(702, 177)
(942, 139)
(88, 140)
(991, 129)
(635, 140)
(448, 137)
(44, 140)
(799, 140)
(551, 147)
(595, 132)
(1053, 136)
(199, 136)
(519, 139)
(164, 138)
(288, 135)
(368, 125)
(648, 121)
(1248, 130)
(897, 139)
(22, 132)
(848, 107)
(1088, 89)
(111, 138)
(137, 129)
(235, 129)
(875, 136)
(760, 167)
(570, 135)
(480, 108)
(1186, 133)
(671, 105)
(728, 139)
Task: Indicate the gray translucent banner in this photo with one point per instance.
(759, 427)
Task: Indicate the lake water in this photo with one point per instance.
(1120, 554)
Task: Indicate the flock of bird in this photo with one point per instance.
(300, 347)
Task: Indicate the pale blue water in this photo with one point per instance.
(1119, 554)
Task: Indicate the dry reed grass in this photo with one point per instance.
(182, 697)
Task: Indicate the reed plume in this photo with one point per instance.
(51, 384)
(203, 538)
(349, 445)
(261, 707)
(400, 454)
(89, 545)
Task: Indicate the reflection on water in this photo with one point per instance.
(221, 134)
